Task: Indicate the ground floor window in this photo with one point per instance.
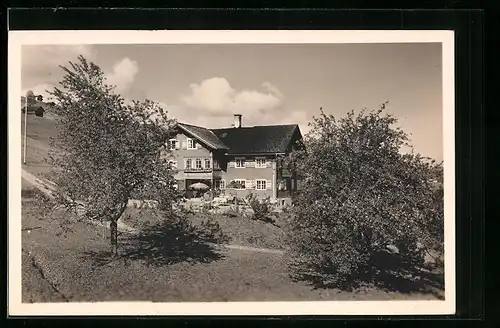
(220, 184)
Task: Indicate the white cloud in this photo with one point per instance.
(216, 97)
(40, 65)
(123, 74)
(43, 57)
(40, 89)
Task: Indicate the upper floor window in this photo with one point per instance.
(216, 164)
(260, 162)
(240, 162)
(173, 144)
(191, 144)
(198, 164)
(189, 163)
(207, 163)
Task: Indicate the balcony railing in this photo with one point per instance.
(195, 170)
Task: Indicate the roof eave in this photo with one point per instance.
(208, 143)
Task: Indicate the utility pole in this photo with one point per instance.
(25, 126)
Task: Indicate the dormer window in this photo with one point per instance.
(191, 144)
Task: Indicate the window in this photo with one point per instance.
(189, 163)
(260, 162)
(240, 162)
(198, 164)
(220, 184)
(216, 164)
(191, 144)
(207, 163)
(240, 184)
(172, 144)
(261, 185)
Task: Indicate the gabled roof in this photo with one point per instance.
(204, 135)
(267, 139)
(258, 139)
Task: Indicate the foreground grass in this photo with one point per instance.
(70, 262)
(35, 288)
(241, 230)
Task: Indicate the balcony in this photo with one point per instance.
(194, 170)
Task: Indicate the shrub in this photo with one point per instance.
(360, 195)
(261, 208)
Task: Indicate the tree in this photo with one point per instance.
(361, 195)
(110, 151)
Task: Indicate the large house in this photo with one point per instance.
(237, 160)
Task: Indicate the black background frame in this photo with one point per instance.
(469, 112)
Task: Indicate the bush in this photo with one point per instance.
(233, 211)
(261, 208)
(360, 196)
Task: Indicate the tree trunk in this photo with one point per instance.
(114, 238)
(114, 227)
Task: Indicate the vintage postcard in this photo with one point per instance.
(231, 173)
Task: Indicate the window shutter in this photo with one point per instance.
(269, 163)
(231, 164)
(269, 184)
(250, 184)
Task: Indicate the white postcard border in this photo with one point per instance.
(19, 38)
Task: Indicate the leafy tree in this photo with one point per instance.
(361, 195)
(109, 151)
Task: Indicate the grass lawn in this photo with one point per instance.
(157, 268)
(39, 131)
(241, 230)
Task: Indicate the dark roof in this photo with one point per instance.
(257, 139)
(203, 134)
(265, 139)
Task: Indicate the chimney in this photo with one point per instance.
(237, 121)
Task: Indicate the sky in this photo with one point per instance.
(267, 83)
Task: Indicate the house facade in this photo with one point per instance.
(237, 160)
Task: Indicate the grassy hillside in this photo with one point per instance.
(39, 130)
